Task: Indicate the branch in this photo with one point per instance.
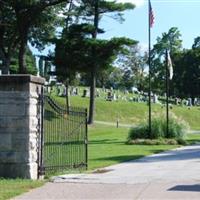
(44, 4)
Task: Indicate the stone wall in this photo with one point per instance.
(19, 125)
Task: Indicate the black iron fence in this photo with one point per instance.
(64, 138)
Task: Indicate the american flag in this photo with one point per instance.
(151, 15)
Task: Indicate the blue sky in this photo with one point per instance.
(184, 14)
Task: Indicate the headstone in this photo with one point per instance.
(49, 89)
(134, 90)
(109, 96)
(155, 98)
(97, 93)
(76, 91)
(189, 102)
(114, 97)
(124, 98)
(176, 101)
(64, 91)
(126, 92)
(85, 93)
(60, 92)
(72, 91)
(183, 102)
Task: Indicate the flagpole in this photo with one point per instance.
(167, 93)
(149, 93)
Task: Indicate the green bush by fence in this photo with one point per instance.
(177, 129)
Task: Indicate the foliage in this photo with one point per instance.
(186, 70)
(8, 35)
(93, 12)
(30, 60)
(133, 65)
(81, 42)
(187, 73)
(23, 21)
(169, 41)
(177, 129)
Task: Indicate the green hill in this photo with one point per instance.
(133, 112)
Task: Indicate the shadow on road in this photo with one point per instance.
(186, 188)
(174, 155)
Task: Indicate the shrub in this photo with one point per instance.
(157, 129)
(160, 141)
(177, 130)
(139, 132)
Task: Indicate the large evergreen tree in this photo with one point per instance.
(93, 11)
(22, 21)
(74, 51)
(8, 35)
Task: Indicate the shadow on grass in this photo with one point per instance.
(50, 115)
(119, 159)
(193, 141)
(156, 151)
(182, 154)
(106, 141)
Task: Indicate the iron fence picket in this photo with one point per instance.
(64, 135)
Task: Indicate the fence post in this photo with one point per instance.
(19, 125)
(41, 170)
(86, 138)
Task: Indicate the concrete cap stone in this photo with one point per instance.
(21, 78)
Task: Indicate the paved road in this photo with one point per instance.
(114, 124)
(170, 175)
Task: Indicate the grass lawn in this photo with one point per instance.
(193, 138)
(133, 112)
(107, 143)
(13, 187)
(107, 146)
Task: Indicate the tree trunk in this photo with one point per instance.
(22, 55)
(67, 96)
(92, 97)
(6, 66)
(94, 67)
(5, 63)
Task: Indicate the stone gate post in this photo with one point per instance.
(19, 131)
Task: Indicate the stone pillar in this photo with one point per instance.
(19, 131)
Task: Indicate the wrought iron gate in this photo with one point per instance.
(63, 138)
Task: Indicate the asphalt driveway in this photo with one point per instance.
(173, 174)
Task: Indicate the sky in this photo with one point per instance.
(184, 14)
